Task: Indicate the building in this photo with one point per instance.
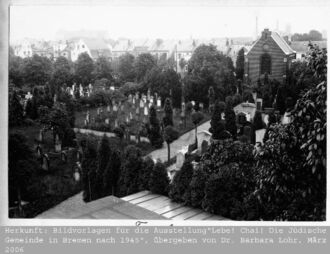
(270, 54)
(162, 48)
(183, 52)
(93, 47)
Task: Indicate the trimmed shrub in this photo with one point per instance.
(145, 173)
(180, 186)
(159, 180)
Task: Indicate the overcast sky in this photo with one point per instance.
(42, 22)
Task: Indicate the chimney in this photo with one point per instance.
(266, 33)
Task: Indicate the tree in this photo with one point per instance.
(37, 70)
(230, 124)
(15, 110)
(21, 167)
(217, 123)
(15, 69)
(170, 134)
(154, 130)
(111, 173)
(84, 69)
(164, 81)
(168, 118)
(89, 168)
(196, 118)
(240, 64)
(130, 170)
(145, 173)
(143, 63)
(103, 156)
(211, 95)
(126, 68)
(197, 185)
(62, 75)
(103, 69)
(159, 181)
(208, 67)
(180, 186)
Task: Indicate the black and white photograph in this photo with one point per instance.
(169, 111)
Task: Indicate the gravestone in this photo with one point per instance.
(58, 144)
(130, 116)
(41, 136)
(146, 111)
(159, 102)
(116, 123)
(79, 155)
(39, 151)
(108, 109)
(115, 108)
(98, 111)
(81, 91)
(45, 162)
(77, 172)
(64, 156)
(137, 96)
(107, 121)
(141, 104)
(201, 105)
(85, 122)
(133, 101)
(204, 146)
(148, 95)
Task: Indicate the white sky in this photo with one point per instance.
(42, 22)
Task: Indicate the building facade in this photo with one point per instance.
(270, 54)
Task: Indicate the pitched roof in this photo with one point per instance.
(282, 43)
(284, 46)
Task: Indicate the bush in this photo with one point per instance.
(197, 186)
(180, 186)
(159, 181)
(130, 171)
(145, 173)
(225, 191)
(119, 132)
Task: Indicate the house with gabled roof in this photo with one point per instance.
(270, 54)
(93, 47)
(162, 47)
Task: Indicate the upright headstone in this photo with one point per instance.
(159, 103)
(148, 95)
(141, 104)
(45, 162)
(41, 136)
(107, 121)
(201, 105)
(130, 116)
(115, 108)
(64, 156)
(58, 144)
(108, 109)
(130, 98)
(116, 123)
(81, 91)
(146, 111)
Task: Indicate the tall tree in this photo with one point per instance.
(154, 130)
(240, 64)
(230, 124)
(37, 70)
(62, 75)
(89, 168)
(170, 134)
(103, 155)
(196, 118)
(143, 63)
(217, 123)
(159, 181)
(168, 118)
(84, 69)
(103, 69)
(111, 174)
(126, 68)
(21, 166)
(15, 110)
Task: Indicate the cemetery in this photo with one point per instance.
(228, 152)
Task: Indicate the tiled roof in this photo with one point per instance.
(282, 43)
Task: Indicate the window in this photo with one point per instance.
(265, 64)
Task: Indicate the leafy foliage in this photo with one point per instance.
(168, 118)
(143, 63)
(179, 190)
(159, 181)
(154, 130)
(84, 69)
(145, 173)
(15, 110)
